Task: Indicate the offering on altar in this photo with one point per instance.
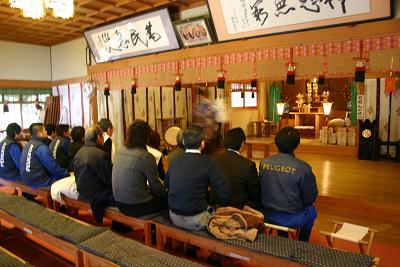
(300, 100)
(325, 96)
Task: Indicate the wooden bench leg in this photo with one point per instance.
(160, 239)
(147, 234)
(48, 201)
(79, 261)
(56, 206)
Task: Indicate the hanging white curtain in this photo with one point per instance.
(87, 96)
(370, 99)
(180, 105)
(115, 109)
(54, 91)
(153, 100)
(64, 105)
(140, 103)
(189, 105)
(76, 103)
(115, 113)
(128, 108)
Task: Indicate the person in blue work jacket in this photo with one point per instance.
(59, 146)
(38, 168)
(10, 154)
(288, 186)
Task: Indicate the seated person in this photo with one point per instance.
(288, 186)
(153, 146)
(78, 140)
(10, 154)
(51, 133)
(92, 171)
(108, 129)
(239, 171)
(180, 148)
(60, 145)
(37, 166)
(188, 179)
(137, 187)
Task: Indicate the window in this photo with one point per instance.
(243, 95)
(22, 107)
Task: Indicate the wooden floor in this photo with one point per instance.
(361, 192)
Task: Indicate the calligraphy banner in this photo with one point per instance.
(236, 19)
(360, 107)
(148, 33)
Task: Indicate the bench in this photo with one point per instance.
(111, 249)
(20, 188)
(78, 242)
(250, 143)
(9, 259)
(114, 214)
(59, 232)
(267, 250)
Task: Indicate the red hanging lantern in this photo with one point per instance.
(290, 77)
(253, 83)
(360, 70)
(107, 89)
(133, 87)
(221, 80)
(178, 83)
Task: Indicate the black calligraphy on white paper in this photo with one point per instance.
(252, 15)
(259, 13)
(133, 36)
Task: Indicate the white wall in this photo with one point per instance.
(68, 60)
(24, 62)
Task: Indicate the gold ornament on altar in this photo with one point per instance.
(325, 96)
(300, 100)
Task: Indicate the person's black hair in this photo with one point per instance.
(61, 129)
(33, 125)
(234, 138)
(193, 136)
(50, 128)
(105, 124)
(137, 134)
(154, 139)
(77, 134)
(287, 140)
(13, 129)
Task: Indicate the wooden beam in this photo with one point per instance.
(24, 84)
(71, 80)
(357, 31)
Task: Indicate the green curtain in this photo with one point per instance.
(25, 91)
(353, 104)
(275, 90)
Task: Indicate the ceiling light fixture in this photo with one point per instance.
(35, 9)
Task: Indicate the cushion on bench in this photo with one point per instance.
(9, 260)
(46, 220)
(291, 250)
(127, 252)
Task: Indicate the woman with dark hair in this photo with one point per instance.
(78, 139)
(136, 185)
